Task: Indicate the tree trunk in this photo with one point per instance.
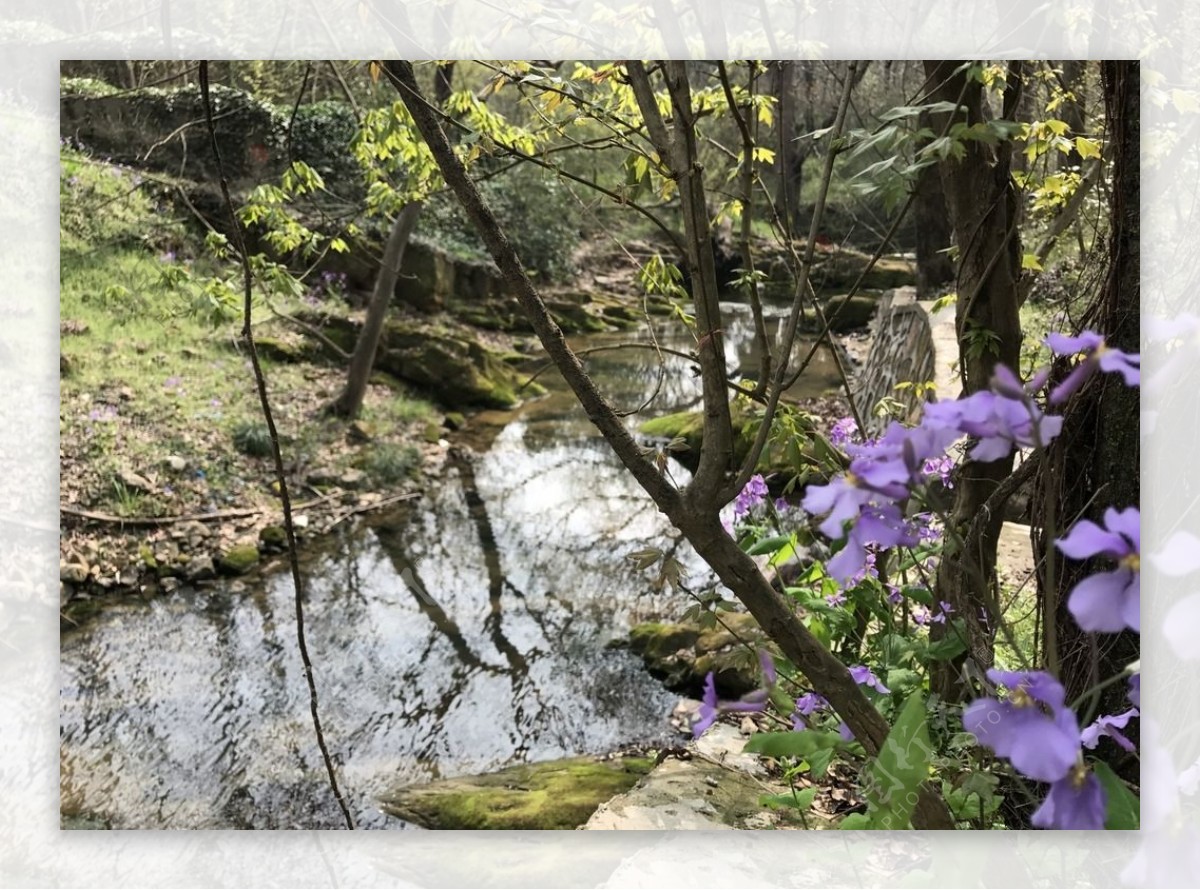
(787, 170)
(701, 526)
(1098, 450)
(934, 266)
(349, 402)
(983, 210)
(1072, 114)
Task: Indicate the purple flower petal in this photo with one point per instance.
(1107, 602)
(1086, 539)
(1109, 726)
(768, 667)
(1075, 802)
(1061, 344)
(1135, 690)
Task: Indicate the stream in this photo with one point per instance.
(457, 635)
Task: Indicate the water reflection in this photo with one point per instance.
(461, 634)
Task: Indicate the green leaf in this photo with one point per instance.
(799, 800)
(818, 762)
(1087, 148)
(895, 776)
(951, 645)
(1124, 807)
(793, 744)
(770, 545)
(1030, 261)
(856, 822)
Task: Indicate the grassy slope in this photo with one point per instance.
(150, 373)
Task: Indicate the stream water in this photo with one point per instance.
(460, 634)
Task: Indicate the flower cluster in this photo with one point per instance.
(1033, 727)
(1040, 736)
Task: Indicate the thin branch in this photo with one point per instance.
(764, 429)
(280, 474)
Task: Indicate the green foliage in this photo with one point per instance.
(92, 87)
(1124, 807)
(321, 136)
(898, 771)
(252, 438)
(389, 464)
(534, 208)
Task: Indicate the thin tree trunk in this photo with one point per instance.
(701, 526)
(349, 402)
(983, 209)
(1099, 448)
(934, 266)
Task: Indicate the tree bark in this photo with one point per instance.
(934, 266)
(349, 402)
(701, 526)
(983, 210)
(1094, 463)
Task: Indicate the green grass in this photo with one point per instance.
(155, 372)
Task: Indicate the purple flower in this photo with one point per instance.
(1107, 601)
(750, 497)
(768, 667)
(1135, 690)
(894, 596)
(103, 414)
(171, 382)
(782, 505)
(809, 702)
(1097, 354)
(921, 616)
(842, 431)
(864, 677)
(1075, 802)
(1032, 728)
(940, 468)
(835, 599)
(845, 732)
(711, 707)
(1110, 726)
(707, 715)
(998, 422)
(883, 526)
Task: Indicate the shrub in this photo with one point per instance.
(252, 438)
(534, 208)
(388, 464)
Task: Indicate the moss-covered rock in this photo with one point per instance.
(682, 655)
(849, 313)
(689, 426)
(559, 794)
(238, 559)
(457, 369)
(273, 537)
(842, 268)
(287, 348)
(655, 640)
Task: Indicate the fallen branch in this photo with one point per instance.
(96, 516)
(375, 505)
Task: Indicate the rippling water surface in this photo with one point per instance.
(460, 634)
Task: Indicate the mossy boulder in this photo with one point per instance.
(842, 268)
(457, 369)
(849, 313)
(689, 426)
(558, 794)
(682, 655)
(238, 559)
